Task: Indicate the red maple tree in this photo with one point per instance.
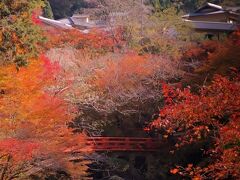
(213, 113)
(34, 119)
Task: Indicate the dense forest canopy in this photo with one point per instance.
(65, 8)
(147, 75)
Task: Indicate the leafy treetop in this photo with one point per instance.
(19, 36)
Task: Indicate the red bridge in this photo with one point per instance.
(118, 144)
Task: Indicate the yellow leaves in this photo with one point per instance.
(165, 136)
(15, 100)
(78, 169)
(1, 37)
(25, 15)
(14, 37)
(18, 4)
(19, 50)
(197, 178)
(1, 5)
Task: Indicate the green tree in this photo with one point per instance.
(159, 5)
(230, 3)
(65, 8)
(19, 35)
(185, 5)
(47, 10)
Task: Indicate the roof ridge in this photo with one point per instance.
(215, 5)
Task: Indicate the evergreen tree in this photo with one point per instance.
(184, 5)
(65, 8)
(47, 10)
(230, 3)
(19, 35)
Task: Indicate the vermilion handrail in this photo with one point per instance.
(119, 144)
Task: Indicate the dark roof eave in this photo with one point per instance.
(208, 14)
(216, 26)
(209, 5)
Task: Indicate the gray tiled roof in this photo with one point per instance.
(204, 14)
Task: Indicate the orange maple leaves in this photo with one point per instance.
(20, 150)
(124, 72)
(30, 110)
(24, 96)
(174, 171)
(34, 118)
(96, 42)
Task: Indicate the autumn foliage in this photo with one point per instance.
(45, 106)
(214, 112)
(24, 98)
(33, 116)
(126, 71)
(212, 57)
(19, 36)
(19, 149)
(96, 42)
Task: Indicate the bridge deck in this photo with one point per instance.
(97, 144)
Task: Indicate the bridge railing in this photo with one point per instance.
(119, 144)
